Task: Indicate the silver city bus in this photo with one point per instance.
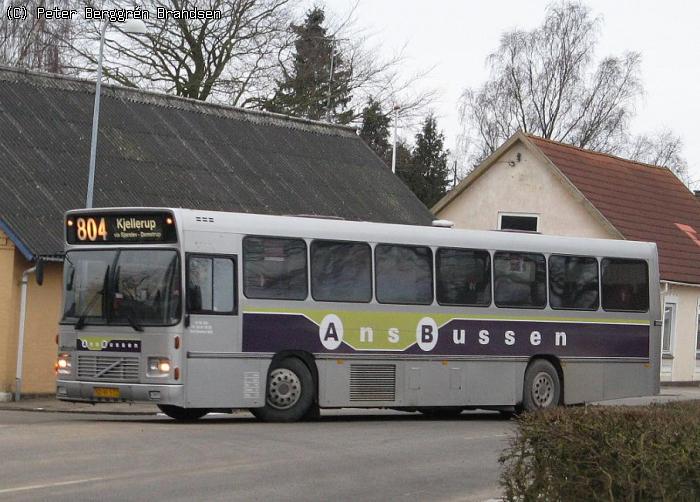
(198, 310)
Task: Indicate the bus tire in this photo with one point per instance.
(542, 386)
(290, 392)
(179, 413)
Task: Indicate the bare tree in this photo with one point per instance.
(229, 60)
(662, 148)
(544, 82)
(379, 75)
(36, 44)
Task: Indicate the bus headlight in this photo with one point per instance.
(158, 366)
(63, 364)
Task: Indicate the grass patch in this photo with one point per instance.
(605, 453)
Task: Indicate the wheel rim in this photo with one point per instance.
(542, 390)
(284, 389)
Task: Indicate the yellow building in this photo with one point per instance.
(41, 322)
(155, 150)
(532, 184)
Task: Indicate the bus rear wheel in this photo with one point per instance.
(290, 392)
(542, 386)
(179, 413)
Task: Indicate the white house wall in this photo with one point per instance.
(527, 187)
(682, 365)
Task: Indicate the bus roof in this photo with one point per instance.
(334, 229)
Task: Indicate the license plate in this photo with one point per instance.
(107, 392)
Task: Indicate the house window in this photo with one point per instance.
(669, 328)
(697, 334)
(518, 221)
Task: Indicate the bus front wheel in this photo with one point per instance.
(179, 413)
(290, 392)
(542, 386)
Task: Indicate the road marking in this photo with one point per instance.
(49, 485)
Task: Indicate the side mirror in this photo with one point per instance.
(39, 271)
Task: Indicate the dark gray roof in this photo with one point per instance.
(160, 150)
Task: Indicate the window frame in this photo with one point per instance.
(598, 276)
(519, 215)
(697, 328)
(670, 300)
(234, 259)
(602, 285)
(546, 280)
(307, 266)
(310, 271)
(411, 246)
(435, 277)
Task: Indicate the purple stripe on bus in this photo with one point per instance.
(277, 332)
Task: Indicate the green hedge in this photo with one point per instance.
(605, 453)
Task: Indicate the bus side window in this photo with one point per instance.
(463, 277)
(341, 271)
(210, 285)
(404, 274)
(519, 280)
(274, 268)
(625, 285)
(573, 282)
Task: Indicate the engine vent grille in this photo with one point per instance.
(204, 219)
(108, 368)
(372, 382)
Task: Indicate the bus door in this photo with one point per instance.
(212, 325)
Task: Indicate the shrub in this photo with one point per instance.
(605, 453)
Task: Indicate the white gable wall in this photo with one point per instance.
(527, 187)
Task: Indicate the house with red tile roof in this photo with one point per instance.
(534, 184)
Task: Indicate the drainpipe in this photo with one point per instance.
(20, 342)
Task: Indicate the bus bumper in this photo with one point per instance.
(112, 392)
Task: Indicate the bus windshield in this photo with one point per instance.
(124, 287)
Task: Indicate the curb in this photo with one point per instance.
(78, 411)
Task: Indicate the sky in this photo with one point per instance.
(454, 38)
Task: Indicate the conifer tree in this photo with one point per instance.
(427, 173)
(375, 129)
(304, 90)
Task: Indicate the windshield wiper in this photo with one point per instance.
(80, 324)
(134, 324)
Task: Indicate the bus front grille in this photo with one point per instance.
(372, 382)
(112, 368)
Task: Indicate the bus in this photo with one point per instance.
(196, 311)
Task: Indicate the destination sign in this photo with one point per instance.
(120, 228)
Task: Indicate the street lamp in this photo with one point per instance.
(396, 120)
(136, 27)
(333, 40)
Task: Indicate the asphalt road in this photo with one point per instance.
(346, 455)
